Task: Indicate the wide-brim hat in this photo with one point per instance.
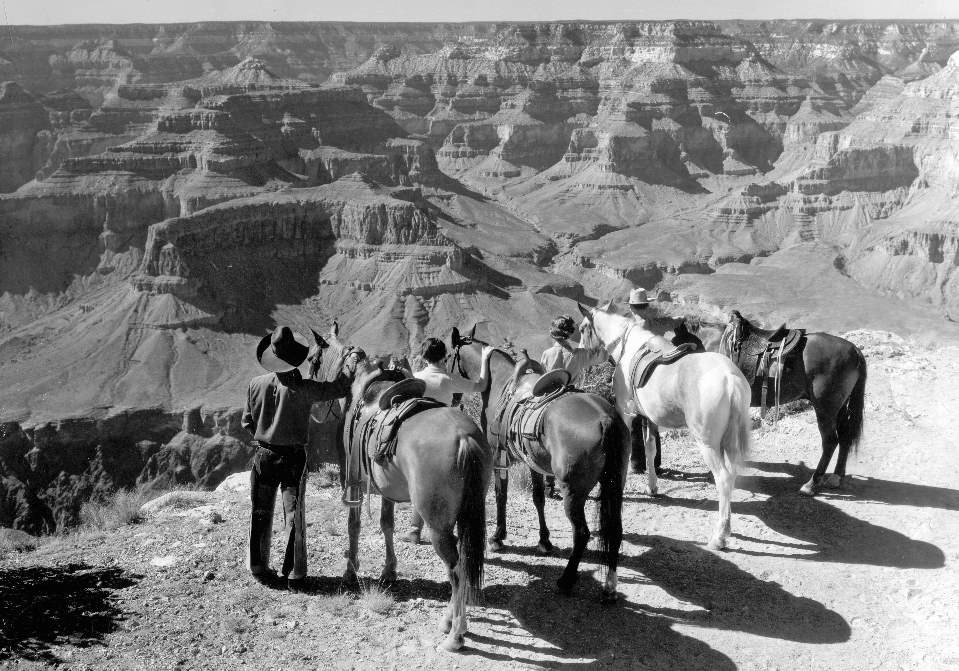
(283, 350)
(638, 298)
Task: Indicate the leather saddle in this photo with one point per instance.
(657, 351)
(518, 423)
(385, 400)
(756, 350)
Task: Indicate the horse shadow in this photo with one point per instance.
(728, 597)
(46, 606)
(580, 632)
(827, 533)
(823, 532)
(875, 490)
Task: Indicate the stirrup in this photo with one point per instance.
(354, 487)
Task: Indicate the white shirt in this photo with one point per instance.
(441, 385)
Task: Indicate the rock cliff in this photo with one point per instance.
(168, 193)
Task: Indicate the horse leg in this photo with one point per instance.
(386, 526)
(500, 486)
(830, 438)
(350, 578)
(840, 471)
(453, 623)
(650, 433)
(544, 547)
(575, 505)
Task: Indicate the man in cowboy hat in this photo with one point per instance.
(641, 430)
(277, 413)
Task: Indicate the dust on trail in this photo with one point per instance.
(861, 578)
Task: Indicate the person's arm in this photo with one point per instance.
(328, 391)
(464, 386)
(247, 420)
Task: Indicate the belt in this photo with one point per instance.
(283, 450)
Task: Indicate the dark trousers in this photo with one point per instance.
(283, 468)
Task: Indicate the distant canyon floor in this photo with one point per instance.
(858, 578)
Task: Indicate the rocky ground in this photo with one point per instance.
(859, 578)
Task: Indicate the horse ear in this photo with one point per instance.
(583, 311)
(472, 332)
(455, 337)
(607, 306)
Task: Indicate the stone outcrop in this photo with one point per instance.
(175, 191)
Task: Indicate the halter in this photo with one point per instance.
(618, 341)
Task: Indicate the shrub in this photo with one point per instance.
(119, 509)
(375, 598)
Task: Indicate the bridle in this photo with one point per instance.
(619, 341)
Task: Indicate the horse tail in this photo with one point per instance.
(737, 436)
(475, 467)
(615, 452)
(850, 421)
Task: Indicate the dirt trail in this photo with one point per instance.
(862, 578)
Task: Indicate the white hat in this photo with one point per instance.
(638, 298)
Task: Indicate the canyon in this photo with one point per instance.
(168, 193)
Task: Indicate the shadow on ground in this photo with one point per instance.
(823, 532)
(46, 606)
(875, 490)
(729, 597)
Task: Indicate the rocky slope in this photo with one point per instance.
(168, 193)
(796, 589)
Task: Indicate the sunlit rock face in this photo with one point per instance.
(170, 193)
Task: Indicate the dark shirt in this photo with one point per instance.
(277, 407)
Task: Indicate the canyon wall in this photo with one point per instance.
(170, 193)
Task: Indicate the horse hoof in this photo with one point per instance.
(544, 548)
(387, 577)
(833, 481)
(716, 545)
(349, 580)
(495, 546)
(608, 598)
(451, 644)
(807, 489)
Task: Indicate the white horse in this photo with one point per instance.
(703, 392)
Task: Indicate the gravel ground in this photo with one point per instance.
(859, 578)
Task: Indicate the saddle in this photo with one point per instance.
(657, 351)
(518, 421)
(760, 353)
(372, 430)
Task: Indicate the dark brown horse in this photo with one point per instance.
(442, 464)
(827, 370)
(582, 441)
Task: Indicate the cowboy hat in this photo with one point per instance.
(638, 298)
(282, 350)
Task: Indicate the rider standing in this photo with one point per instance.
(277, 413)
(641, 430)
(441, 385)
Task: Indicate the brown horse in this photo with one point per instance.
(442, 464)
(582, 441)
(827, 370)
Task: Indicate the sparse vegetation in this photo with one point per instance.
(375, 598)
(119, 509)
